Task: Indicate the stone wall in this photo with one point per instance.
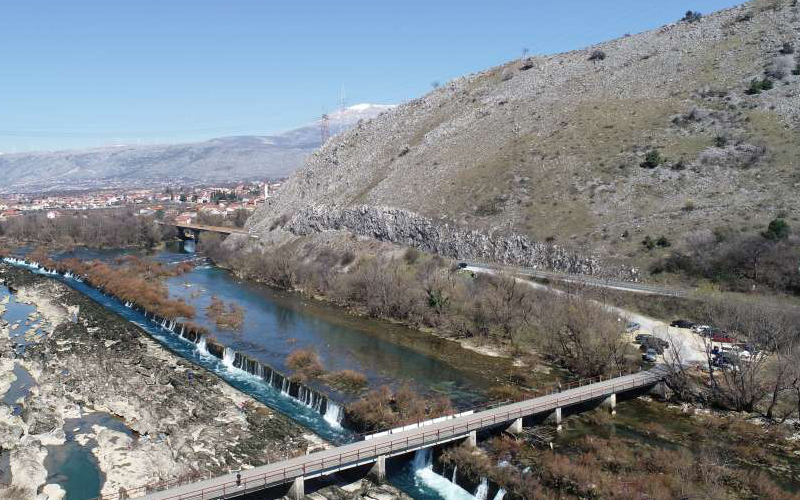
(404, 227)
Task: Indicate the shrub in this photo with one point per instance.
(720, 141)
(305, 364)
(663, 242)
(597, 55)
(648, 243)
(652, 159)
(411, 255)
(347, 380)
(787, 48)
(777, 230)
(347, 258)
(279, 222)
(691, 16)
(756, 86)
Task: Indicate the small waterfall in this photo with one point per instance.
(483, 490)
(228, 357)
(455, 470)
(500, 494)
(128, 304)
(201, 346)
(422, 466)
(333, 414)
(164, 324)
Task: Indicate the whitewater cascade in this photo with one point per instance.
(483, 490)
(228, 357)
(422, 467)
(500, 494)
(201, 346)
(455, 470)
(333, 414)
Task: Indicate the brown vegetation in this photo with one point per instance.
(422, 290)
(714, 462)
(382, 409)
(305, 364)
(228, 318)
(109, 229)
(347, 380)
(128, 286)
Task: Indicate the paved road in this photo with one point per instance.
(589, 280)
(364, 452)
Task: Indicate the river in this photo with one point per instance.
(278, 322)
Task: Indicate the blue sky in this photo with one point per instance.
(84, 73)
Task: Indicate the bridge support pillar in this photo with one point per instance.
(516, 427)
(611, 403)
(196, 233)
(472, 439)
(378, 470)
(555, 418)
(298, 489)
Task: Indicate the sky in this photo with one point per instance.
(89, 73)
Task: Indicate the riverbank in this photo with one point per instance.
(182, 420)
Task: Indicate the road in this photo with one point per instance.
(588, 280)
(688, 347)
(366, 452)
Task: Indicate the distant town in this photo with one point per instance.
(183, 204)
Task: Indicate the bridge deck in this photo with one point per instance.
(212, 229)
(363, 452)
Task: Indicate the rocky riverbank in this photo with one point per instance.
(181, 420)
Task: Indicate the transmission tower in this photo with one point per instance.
(324, 128)
(342, 101)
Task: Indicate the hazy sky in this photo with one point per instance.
(78, 73)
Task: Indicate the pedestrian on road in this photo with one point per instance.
(238, 480)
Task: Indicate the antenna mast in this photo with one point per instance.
(324, 128)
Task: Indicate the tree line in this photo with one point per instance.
(108, 229)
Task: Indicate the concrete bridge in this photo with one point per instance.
(374, 451)
(196, 229)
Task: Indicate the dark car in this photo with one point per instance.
(462, 265)
(642, 337)
(650, 355)
(681, 323)
(646, 346)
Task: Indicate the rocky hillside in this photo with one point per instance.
(659, 133)
(223, 159)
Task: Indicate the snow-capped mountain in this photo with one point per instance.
(221, 159)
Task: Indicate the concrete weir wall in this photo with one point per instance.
(312, 398)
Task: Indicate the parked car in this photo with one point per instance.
(642, 337)
(651, 345)
(723, 339)
(462, 265)
(655, 341)
(632, 326)
(682, 323)
(699, 329)
(650, 355)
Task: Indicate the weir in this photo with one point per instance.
(233, 361)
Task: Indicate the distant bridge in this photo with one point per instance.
(292, 473)
(196, 229)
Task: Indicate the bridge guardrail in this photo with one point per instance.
(413, 441)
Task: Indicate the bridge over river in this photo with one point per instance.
(196, 229)
(375, 449)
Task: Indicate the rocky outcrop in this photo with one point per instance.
(186, 422)
(552, 147)
(404, 227)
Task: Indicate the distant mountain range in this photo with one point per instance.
(223, 159)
